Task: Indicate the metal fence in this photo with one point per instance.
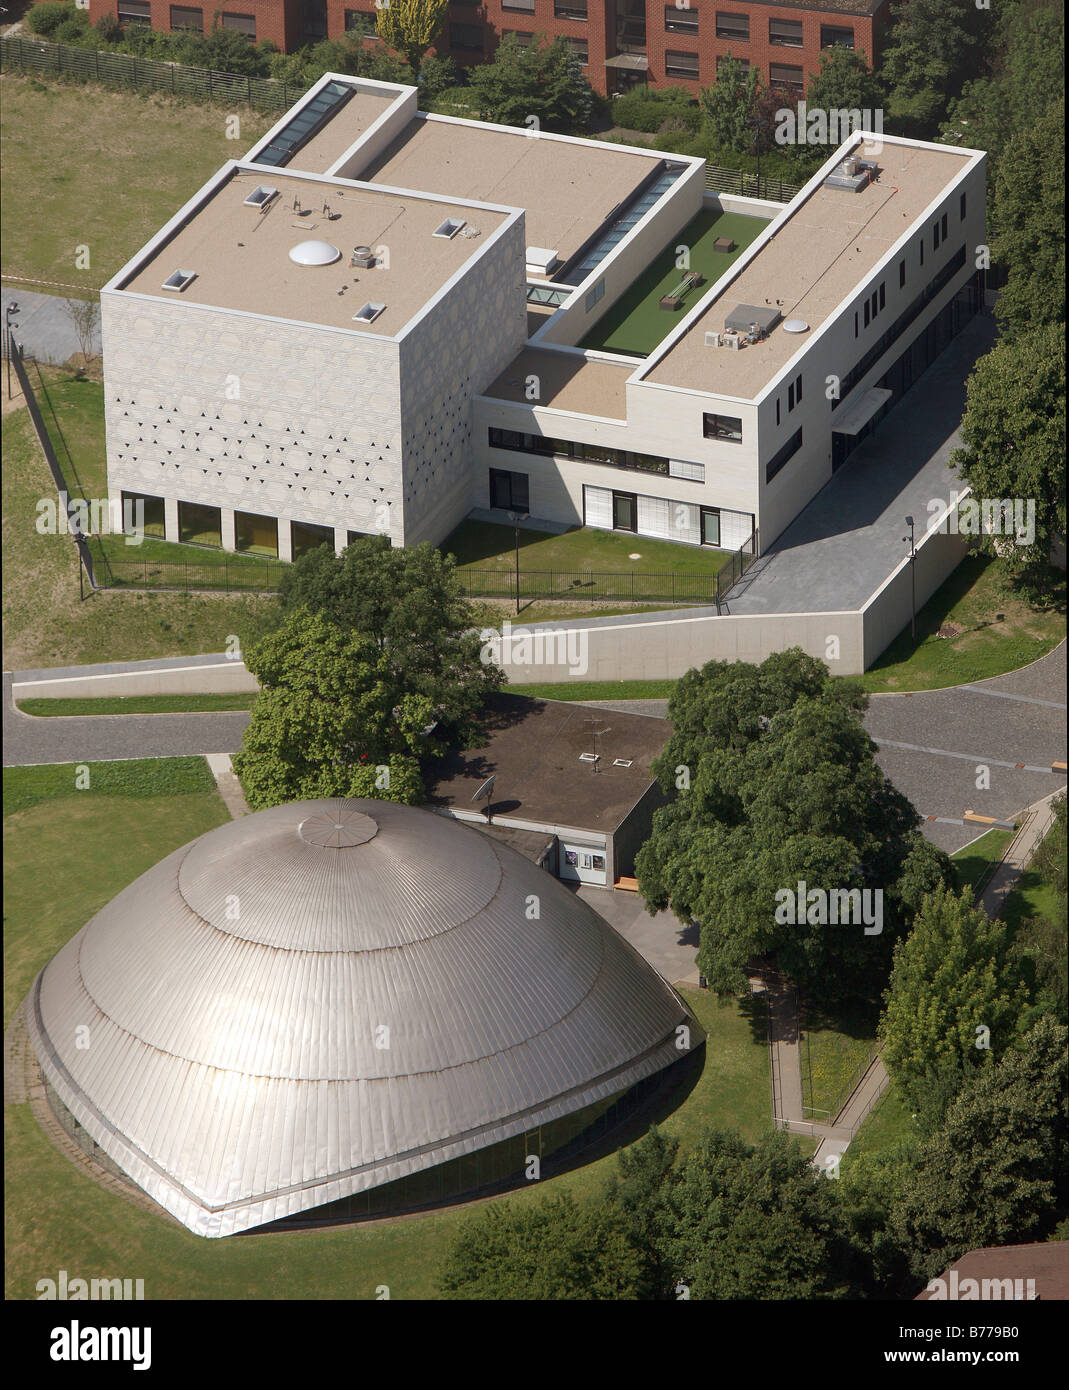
(590, 586)
(745, 185)
(146, 74)
(737, 565)
(224, 575)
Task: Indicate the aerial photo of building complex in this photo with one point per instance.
(534, 648)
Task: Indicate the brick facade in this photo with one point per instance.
(682, 42)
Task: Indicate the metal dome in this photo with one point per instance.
(236, 993)
(314, 253)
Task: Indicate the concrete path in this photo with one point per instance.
(1035, 823)
(846, 542)
(43, 326)
(230, 788)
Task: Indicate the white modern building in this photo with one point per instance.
(381, 320)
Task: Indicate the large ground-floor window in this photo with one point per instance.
(509, 492)
(307, 536)
(663, 518)
(258, 535)
(200, 525)
(152, 508)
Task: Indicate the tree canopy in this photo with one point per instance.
(411, 26)
(542, 80)
(995, 1173)
(777, 786)
(955, 998)
(1013, 442)
(935, 47)
(730, 104)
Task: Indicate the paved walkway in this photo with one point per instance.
(43, 326)
(230, 789)
(846, 542)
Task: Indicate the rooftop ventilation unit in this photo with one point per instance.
(745, 317)
(261, 196)
(449, 227)
(314, 253)
(712, 340)
(796, 326)
(179, 279)
(368, 313)
(363, 257)
(540, 260)
(852, 174)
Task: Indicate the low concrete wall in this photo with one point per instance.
(224, 678)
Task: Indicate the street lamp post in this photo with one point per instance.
(514, 517)
(912, 578)
(755, 123)
(10, 313)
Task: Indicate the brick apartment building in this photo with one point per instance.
(620, 43)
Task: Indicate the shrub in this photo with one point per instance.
(46, 19)
(641, 109)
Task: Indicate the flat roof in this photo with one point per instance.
(567, 189)
(335, 136)
(241, 256)
(824, 251)
(533, 748)
(566, 382)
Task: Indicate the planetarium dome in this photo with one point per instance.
(331, 1002)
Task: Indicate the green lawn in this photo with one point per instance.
(835, 1050)
(46, 623)
(974, 861)
(135, 704)
(977, 624)
(101, 169)
(484, 545)
(73, 412)
(61, 867)
(636, 323)
(886, 1125)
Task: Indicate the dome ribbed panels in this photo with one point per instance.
(236, 992)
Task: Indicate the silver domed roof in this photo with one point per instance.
(329, 995)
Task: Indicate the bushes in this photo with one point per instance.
(46, 19)
(648, 110)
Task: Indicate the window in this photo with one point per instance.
(836, 36)
(730, 57)
(677, 21)
(548, 447)
(961, 206)
(199, 525)
(624, 511)
(182, 18)
(732, 26)
(787, 33)
(943, 225)
(140, 510)
(873, 297)
(794, 394)
(135, 12)
(883, 294)
(468, 38)
(526, 6)
(922, 250)
(783, 456)
(867, 313)
(522, 37)
(509, 492)
(313, 19)
(361, 22)
(305, 536)
(901, 274)
(727, 428)
(710, 526)
(258, 535)
(593, 295)
(240, 23)
(798, 388)
(935, 236)
(681, 65)
(855, 323)
(783, 75)
(570, 9)
(777, 410)
(578, 47)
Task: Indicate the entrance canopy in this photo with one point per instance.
(635, 62)
(856, 414)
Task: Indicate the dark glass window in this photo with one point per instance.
(787, 33)
(306, 536)
(240, 23)
(961, 206)
(509, 492)
(570, 9)
(680, 21)
(256, 534)
(468, 38)
(836, 36)
(783, 456)
(783, 75)
(724, 427)
(732, 26)
(187, 19)
(199, 525)
(152, 512)
(681, 65)
(901, 274)
(725, 57)
(134, 12)
(578, 47)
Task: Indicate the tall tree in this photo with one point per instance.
(845, 82)
(543, 81)
(995, 1174)
(546, 1250)
(777, 784)
(744, 1222)
(410, 603)
(411, 26)
(1013, 437)
(934, 48)
(330, 719)
(955, 997)
(1028, 225)
(732, 104)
